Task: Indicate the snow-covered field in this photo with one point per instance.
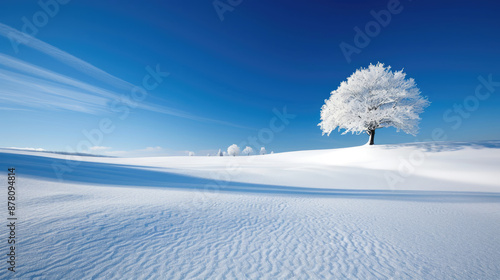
(411, 211)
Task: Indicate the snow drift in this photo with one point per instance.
(413, 211)
(436, 166)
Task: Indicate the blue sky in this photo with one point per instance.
(225, 77)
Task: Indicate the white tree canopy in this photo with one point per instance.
(233, 150)
(248, 150)
(262, 151)
(373, 98)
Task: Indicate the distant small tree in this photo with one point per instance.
(190, 154)
(373, 98)
(248, 150)
(233, 150)
(262, 151)
(272, 152)
(219, 153)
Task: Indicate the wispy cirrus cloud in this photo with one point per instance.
(29, 91)
(18, 37)
(30, 69)
(27, 85)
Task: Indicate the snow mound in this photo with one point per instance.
(432, 166)
(326, 214)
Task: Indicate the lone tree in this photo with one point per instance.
(262, 150)
(373, 98)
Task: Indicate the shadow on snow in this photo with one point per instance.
(127, 175)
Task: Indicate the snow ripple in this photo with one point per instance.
(88, 232)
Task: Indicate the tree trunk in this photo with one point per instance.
(372, 136)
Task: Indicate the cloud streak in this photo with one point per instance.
(28, 85)
(23, 90)
(33, 70)
(18, 37)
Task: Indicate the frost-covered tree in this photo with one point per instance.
(248, 150)
(373, 98)
(190, 153)
(233, 150)
(219, 153)
(262, 151)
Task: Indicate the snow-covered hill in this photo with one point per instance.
(412, 211)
